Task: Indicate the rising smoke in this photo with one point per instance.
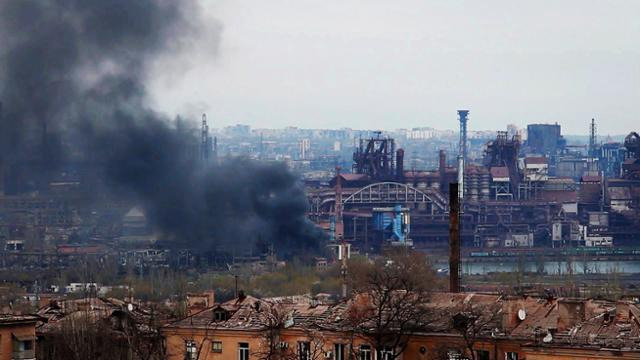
(75, 70)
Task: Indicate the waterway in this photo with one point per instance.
(551, 267)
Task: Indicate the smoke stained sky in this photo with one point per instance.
(73, 76)
(407, 63)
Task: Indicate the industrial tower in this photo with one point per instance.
(205, 141)
(592, 139)
(462, 150)
(343, 250)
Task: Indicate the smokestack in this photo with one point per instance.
(462, 150)
(339, 235)
(454, 239)
(1, 152)
(442, 169)
(460, 177)
(400, 165)
(592, 139)
(215, 149)
(205, 141)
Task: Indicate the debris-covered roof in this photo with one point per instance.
(544, 321)
(6, 319)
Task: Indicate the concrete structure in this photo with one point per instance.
(18, 337)
(544, 139)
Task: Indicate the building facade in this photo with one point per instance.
(18, 337)
(495, 327)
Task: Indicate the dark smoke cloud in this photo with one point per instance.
(76, 69)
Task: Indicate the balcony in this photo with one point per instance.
(24, 355)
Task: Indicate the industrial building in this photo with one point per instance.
(538, 194)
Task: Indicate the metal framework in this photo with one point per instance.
(396, 193)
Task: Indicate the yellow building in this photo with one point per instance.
(494, 328)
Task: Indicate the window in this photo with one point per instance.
(304, 350)
(216, 346)
(220, 315)
(339, 352)
(243, 351)
(511, 355)
(455, 355)
(385, 353)
(28, 345)
(191, 350)
(365, 352)
(482, 355)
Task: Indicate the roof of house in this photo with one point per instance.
(10, 319)
(61, 312)
(564, 322)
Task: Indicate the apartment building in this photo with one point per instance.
(17, 336)
(511, 328)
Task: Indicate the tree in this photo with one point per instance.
(391, 302)
(88, 335)
(195, 350)
(272, 318)
(473, 321)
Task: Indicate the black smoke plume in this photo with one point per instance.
(72, 89)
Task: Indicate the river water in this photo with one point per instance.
(552, 267)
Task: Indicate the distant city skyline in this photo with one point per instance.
(385, 65)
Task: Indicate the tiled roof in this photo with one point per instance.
(11, 319)
(595, 325)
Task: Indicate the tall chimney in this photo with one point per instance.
(454, 239)
(339, 232)
(442, 170)
(339, 235)
(462, 150)
(400, 165)
(215, 149)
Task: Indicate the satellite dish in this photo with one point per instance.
(522, 314)
(548, 338)
(288, 322)
(130, 307)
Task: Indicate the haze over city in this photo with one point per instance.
(384, 65)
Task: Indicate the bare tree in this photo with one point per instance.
(390, 305)
(92, 335)
(145, 339)
(81, 337)
(198, 350)
(272, 319)
(473, 322)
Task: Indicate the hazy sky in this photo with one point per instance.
(407, 63)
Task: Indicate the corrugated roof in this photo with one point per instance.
(590, 178)
(499, 172)
(536, 160)
(354, 177)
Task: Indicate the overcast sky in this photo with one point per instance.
(407, 63)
